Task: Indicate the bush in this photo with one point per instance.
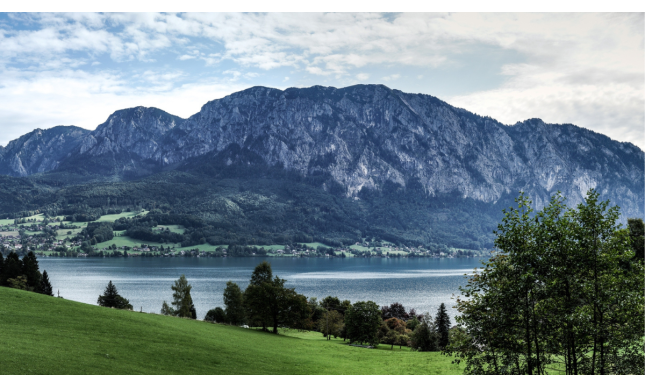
(216, 315)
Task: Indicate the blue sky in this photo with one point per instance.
(76, 69)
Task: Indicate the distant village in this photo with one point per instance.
(47, 236)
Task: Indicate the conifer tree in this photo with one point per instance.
(12, 268)
(45, 285)
(442, 322)
(182, 301)
(30, 271)
(112, 299)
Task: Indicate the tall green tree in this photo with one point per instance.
(234, 301)
(425, 336)
(269, 303)
(12, 268)
(30, 271)
(565, 291)
(45, 285)
(442, 322)
(111, 298)
(262, 273)
(182, 301)
(362, 322)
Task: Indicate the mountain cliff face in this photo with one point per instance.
(361, 137)
(40, 150)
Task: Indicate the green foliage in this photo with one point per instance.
(100, 231)
(19, 282)
(565, 293)
(12, 268)
(216, 315)
(251, 206)
(30, 271)
(182, 301)
(362, 322)
(262, 273)
(269, 303)
(20, 274)
(234, 301)
(394, 331)
(331, 323)
(425, 336)
(394, 310)
(442, 322)
(111, 298)
(45, 285)
(637, 236)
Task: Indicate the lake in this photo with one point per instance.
(420, 283)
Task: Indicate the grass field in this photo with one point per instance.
(4, 222)
(176, 228)
(113, 217)
(48, 335)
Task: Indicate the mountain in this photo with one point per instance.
(351, 143)
(40, 150)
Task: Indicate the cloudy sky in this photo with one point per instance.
(76, 69)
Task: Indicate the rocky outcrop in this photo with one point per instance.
(40, 150)
(364, 137)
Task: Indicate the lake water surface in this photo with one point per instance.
(420, 283)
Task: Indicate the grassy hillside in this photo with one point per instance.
(47, 335)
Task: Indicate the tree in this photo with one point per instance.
(30, 271)
(45, 285)
(394, 310)
(393, 331)
(268, 302)
(216, 315)
(442, 322)
(564, 289)
(362, 322)
(330, 303)
(256, 298)
(19, 282)
(331, 323)
(12, 268)
(112, 299)
(182, 301)
(425, 337)
(261, 274)
(234, 301)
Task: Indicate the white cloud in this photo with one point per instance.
(587, 69)
(86, 100)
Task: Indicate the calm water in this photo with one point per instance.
(421, 283)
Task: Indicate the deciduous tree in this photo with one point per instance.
(234, 301)
(362, 322)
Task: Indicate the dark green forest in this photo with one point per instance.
(255, 205)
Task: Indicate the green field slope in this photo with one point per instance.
(47, 335)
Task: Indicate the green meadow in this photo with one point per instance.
(48, 335)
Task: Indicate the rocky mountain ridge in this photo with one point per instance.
(361, 137)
